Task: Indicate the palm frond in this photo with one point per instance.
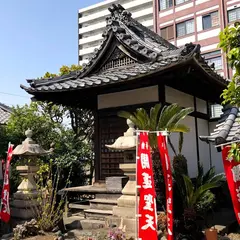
(143, 117)
(179, 116)
(201, 190)
(189, 189)
(179, 128)
(209, 175)
(167, 113)
(154, 112)
(127, 115)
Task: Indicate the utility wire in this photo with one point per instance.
(12, 94)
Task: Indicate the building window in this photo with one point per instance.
(214, 57)
(210, 20)
(234, 14)
(181, 1)
(167, 32)
(185, 28)
(164, 4)
(216, 111)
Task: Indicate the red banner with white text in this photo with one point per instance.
(147, 228)
(5, 208)
(167, 172)
(232, 172)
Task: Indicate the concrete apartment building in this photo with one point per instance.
(198, 21)
(92, 22)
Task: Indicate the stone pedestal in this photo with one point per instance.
(25, 199)
(126, 204)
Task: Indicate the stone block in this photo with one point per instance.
(108, 196)
(20, 203)
(22, 213)
(130, 188)
(103, 204)
(116, 183)
(129, 222)
(126, 201)
(92, 224)
(23, 195)
(124, 212)
(73, 222)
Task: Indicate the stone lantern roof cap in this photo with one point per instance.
(127, 141)
(29, 147)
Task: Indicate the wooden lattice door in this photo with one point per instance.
(110, 128)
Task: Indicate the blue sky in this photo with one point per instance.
(36, 36)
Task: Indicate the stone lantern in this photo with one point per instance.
(125, 211)
(25, 197)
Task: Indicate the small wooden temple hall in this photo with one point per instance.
(134, 67)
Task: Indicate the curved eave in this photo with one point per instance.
(153, 69)
(210, 72)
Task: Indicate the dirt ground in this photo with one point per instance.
(42, 238)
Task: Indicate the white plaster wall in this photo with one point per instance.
(204, 150)
(189, 145)
(215, 155)
(201, 105)
(175, 96)
(130, 97)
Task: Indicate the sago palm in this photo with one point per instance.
(159, 119)
(193, 194)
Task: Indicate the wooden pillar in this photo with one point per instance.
(196, 130)
(96, 144)
(161, 93)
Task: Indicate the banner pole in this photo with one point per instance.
(136, 210)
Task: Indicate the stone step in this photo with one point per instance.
(78, 206)
(103, 204)
(97, 214)
(73, 222)
(130, 223)
(92, 224)
(108, 195)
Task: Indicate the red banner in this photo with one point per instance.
(147, 228)
(232, 171)
(5, 208)
(167, 172)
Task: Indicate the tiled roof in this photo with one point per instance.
(227, 129)
(150, 52)
(5, 113)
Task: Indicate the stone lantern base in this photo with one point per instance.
(25, 199)
(125, 211)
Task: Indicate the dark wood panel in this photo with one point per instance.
(111, 127)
